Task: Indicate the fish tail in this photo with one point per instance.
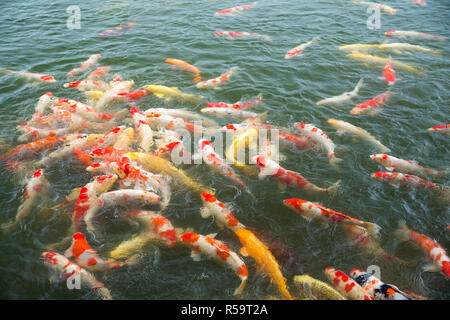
(373, 229)
(445, 194)
(333, 189)
(9, 227)
(241, 287)
(436, 52)
(334, 161)
(132, 260)
(402, 231)
(197, 78)
(355, 3)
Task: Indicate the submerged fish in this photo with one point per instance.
(31, 76)
(186, 66)
(299, 49)
(346, 96)
(405, 166)
(376, 60)
(117, 31)
(234, 10)
(85, 65)
(169, 93)
(413, 35)
(231, 35)
(443, 129)
(320, 290)
(380, 6)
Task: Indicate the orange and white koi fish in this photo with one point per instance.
(171, 142)
(234, 10)
(212, 159)
(389, 73)
(216, 83)
(86, 64)
(376, 288)
(35, 188)
(109, 138)
(134, 95)
(269, 167)
(346, 285)
(440, 261)
(43, 103)
(396, 179)
(217, 251)
(371, 106)
(229, 113)
(67, 269)
(143, 131)
(88, 112)
(157, 225)
(289, 140)
(98, 73)
(253, 247)
(111, 94)
(346, 96)
(299, 49)
(343, 126)
(33, 133)
(232, 35)
(85, 85)
(186, 66)
(413, 35)
(320, 138)
(87, 257)
(382, 7)
(159, 120)
(32, 149)
(444, 129)
(419, 2)
(184, 114)
(311, 210)
(404, 166)
(223, 215)
(31, 76)
(237, 105)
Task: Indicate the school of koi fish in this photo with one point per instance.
(129, 151)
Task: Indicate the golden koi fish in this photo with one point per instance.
(169, 93)
(371, 59)
(310, 286)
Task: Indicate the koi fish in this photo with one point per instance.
(43, 103)
(38, 77)
(405, 166)
(289, 140)
(85, 85)
(98, 73)
(222, 215)
(216, 83)
(440, 261)
(134, 95)
(67, 269)
(229, 113)
(299, 49)
(376, 288)
(264, 259)
(346, 285)
(109, 137)
(400, 47)
(125, 140)
(88, 112)
(86, 64)
(343, 126)
(169, 93)
(320, 138)
(143, 130)
(32, 149)
(269, 167)
(182, 113)
(117, 31)
(85, 256)
(231, 35)
(346, 96)
(444, 129)
(186, 66)
(217, 251)
(311, 210)
(237, 105)
(34, 189)
(419, 2)
(320, 290)
(382, 7)
(413, 35)
(157, 225)
(389, 73)
(234, 10)
(247, 138)
(112, 93)
(376, 60)
(371, 106)
(33, 133)
(131, 246)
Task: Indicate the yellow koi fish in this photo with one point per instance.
(169, 93)
(370, 59)
(320, 290)
(240, 142)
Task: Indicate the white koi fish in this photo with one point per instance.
(98, 73)
(143, 130)
(223, 215)
(31, 76)
(85, 85)
(404, 166)
(413, 35)
(346, 96)
(382, 7)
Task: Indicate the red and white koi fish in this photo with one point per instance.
(346, 285)
(382, 7)
(88, 112)
(212, 159)
(444, 129)
(215, 83)
(184, 114)
(31, 76)
(171, 142)
(223, 215)
(85, 85)
(86, 64)
(311, 210)
(413, 35)
(229, 113)
(376, 288)
(419, 2)
(134, 95)
(289, 140)
(68, 269)
(43, 103)
(98, 73)
(165, 121)
(87, 257)
(234, 10)
(371, 106)
(389, 73)
(33, 133)
(299, 49)
(396, 179)
(35, 187)
(157, 225)
(405, 166)
(320, 138)
(217, 251)
(269, 167)
(440, 261)
(111, 94)
(143, 130)
(32, 149)
(343, 97)
(238, 105)
(78, 123)
(109, 138)
(231, 35)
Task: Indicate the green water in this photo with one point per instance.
(35, 37)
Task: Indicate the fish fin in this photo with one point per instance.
(334, 161)
(334, 188)
(212, 235)
(196, 256)
(390, 168)
(373, 229)
(241, 287)
(69, 253)
(340, 132)
(402, 231)
(282, 186)
(204, 212)
(431, 268)
(243, 251)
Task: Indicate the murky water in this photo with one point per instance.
(35, 37)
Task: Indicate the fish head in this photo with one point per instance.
(294, 203)
(389, 33)
(207, 197)
(333, 122)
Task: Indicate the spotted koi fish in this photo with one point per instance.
(311, 210)
(170, 143)
(320, 138)
(346, 285)
(133, 95)
(371, 106)
(186, 66)
(223, 215)
(440, 261)
(157, 225)
(117, 31)
(111, 94)
(444, 129)
(289, 140)
(215, 83)
(88, 112)
(405, 166)
(43, 103)
(217, 251)
(85, 85)
(67, 269)
(299, 49)
(237, 105)
(413, 35)
(85, 65)
(32, 149)
(389, 73)
(231, 35)
(396, 179)
(229, 113)
(109, 138)
(234, 10)
(376, 288)
(98, 73)
(143, 131)
(33, 133)
(419, 2)
(38, 77)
